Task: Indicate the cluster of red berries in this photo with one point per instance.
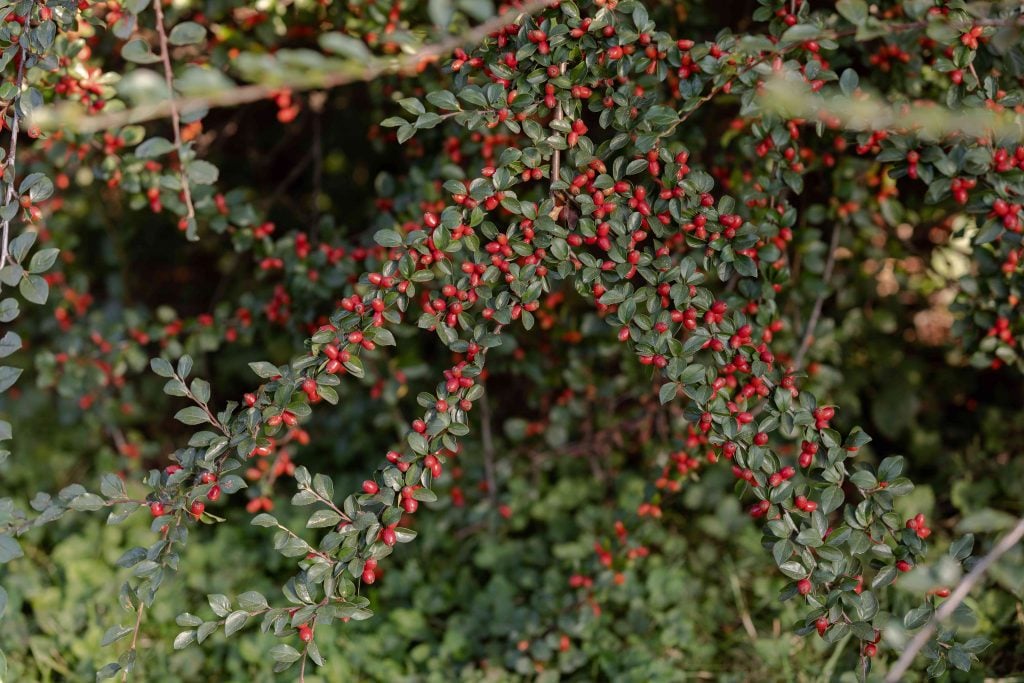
(918, 526)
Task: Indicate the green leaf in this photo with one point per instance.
(982, 521)
(323, 518)
(200, 388)
(961, 548)
(43, 260)
(139, 52)
(184, 639)
(793, 569)
(848, 82)
(441, 12)
(219, 604)
(11, 274)
(202, 172)
(162, 367)
(187, 33)
(443, 99)
(154, 147)
(343, 45)
(22, 243)
(8, 376)
(884, 577)
(265, 370)
(959, 658)
(891, 468)
(10, 343)
(35, 289)
(854, 11)
(424, 495)
(284, 653)
(193, 415)
(9, 549)
(8, 310)
(917, 617)
(263, 519)
(863, 479)
(108, 671)
(252, 601)
(87, 502)
(324, 486)
(388, 238)
(974, 645)
(234, 622)
(114, 634)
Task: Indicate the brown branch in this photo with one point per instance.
(9, 165)
(165, 57)
(138, 617)
(812, 322)
(487, 439)
(556, 158)
(368, 71)
(966, 584)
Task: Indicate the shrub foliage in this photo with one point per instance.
(581, 275)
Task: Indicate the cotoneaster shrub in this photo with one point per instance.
(624, 224)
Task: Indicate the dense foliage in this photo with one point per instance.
(604, 300)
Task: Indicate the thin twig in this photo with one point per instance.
(748, 623)
(165, 57)
(556, 158)
(367, 71)
(487, 439)
(9, 164)
(953, 601)
(138, 626)
(826, 276)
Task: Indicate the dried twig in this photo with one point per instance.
(556, 158)
(487, 439)
(165, 57)
(826, 277)
(367, 71)
(922, 637)
(9, 165)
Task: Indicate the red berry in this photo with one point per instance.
(370, 486)
(156, 509)
(197, 508)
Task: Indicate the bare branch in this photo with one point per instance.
(826, 277)
(9, 164)
(487, 438)
(556, 158)
(922, 637)
(165, 57)
(402, 65)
